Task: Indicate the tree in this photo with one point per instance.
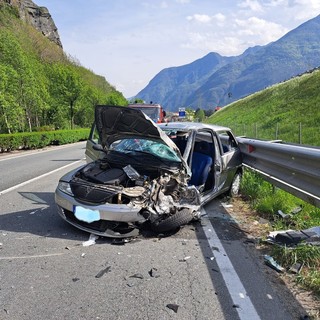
(9, 108)
(66, 88)
(200, 115)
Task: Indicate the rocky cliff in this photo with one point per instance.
(38, 17)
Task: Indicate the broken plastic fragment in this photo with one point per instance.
(91, 241)
(173, 307)
(185, 259)
(137, 275)
(103, 271)
(226, 205)
(118, 241)
(296, 267)
(272, 263)
(153, 272)
(284, 215)
(296, 210)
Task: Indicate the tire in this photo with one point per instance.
(235, 185)
(174, 221)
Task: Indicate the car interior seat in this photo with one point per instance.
(201, 164)
(181, 143)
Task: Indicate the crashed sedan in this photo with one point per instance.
(141, 174)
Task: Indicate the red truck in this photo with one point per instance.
(153, 111)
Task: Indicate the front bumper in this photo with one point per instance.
(116, 220)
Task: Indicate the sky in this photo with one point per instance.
(130, 41)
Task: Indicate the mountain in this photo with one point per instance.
(216, 80)
(39, 17)
(41, 87)
(172, 84)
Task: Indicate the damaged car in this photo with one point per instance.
(143, 174)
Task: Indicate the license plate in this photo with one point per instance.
(86, 215)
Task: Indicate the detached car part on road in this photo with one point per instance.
(141, 173)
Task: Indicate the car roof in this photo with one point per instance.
(184, 126)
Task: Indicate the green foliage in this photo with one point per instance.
(289, 111)
(267, 200)
(40, 86)
(200, 115)
(136, 100)
(34, 140)
(307, 255)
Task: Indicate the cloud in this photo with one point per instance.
(263, 31)
(164, 5)
(183, 1)
(253, 5)
(202, 18)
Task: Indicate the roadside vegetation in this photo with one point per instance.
(267, 200)
(289, 111)
(40, 86)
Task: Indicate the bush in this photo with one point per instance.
(34, 140)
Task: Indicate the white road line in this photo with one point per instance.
(239, 296)
(37, 256)
(37, 178)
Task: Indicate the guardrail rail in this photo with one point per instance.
(294, 168)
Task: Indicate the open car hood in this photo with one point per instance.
(116, 122)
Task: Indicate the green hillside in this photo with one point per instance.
(289, 111)
(40, 86)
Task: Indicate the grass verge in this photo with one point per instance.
(267, 200)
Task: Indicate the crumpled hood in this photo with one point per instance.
(116, 122)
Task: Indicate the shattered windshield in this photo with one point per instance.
(137, 145)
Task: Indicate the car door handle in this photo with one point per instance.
(217, 166)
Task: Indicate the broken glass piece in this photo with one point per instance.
(272, 263)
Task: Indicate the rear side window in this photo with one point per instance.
(228, 142)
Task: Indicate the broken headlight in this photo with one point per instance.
(65, 187)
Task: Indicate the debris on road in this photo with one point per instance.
(173, 307)
(272, 263)
(121, 241)
(296, 267)
(293, 237)
(185, 259)
(284, 215)
(137, 275)
(91, 241)
(103, 271)
(153, 272)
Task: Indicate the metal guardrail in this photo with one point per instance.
(294, 168)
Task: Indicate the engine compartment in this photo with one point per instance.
(155, 191)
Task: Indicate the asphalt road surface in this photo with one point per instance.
(206, 270)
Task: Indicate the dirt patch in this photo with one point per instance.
(257, 229)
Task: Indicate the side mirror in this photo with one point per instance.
(97, 147)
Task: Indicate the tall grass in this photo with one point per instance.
(267, 200)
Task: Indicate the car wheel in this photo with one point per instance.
(235, 185)
(174, 221)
